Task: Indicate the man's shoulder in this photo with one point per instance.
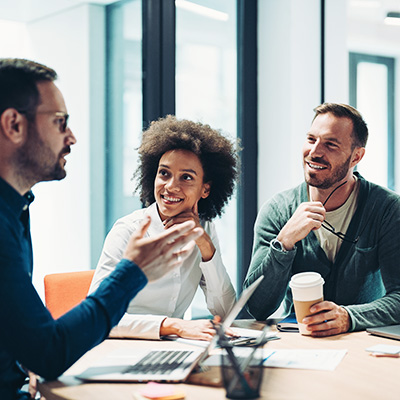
(288, 197)
(283, 204)
(375, 191)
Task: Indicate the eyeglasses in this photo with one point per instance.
(326, 225)
(63, 118)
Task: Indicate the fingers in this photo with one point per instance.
(327, 319)
(195, 208)
(184, 252)
(217, 319)
(180, 249)
(178, 230)
(197, 329)
(144, 226)
(180, 218)
(178, 245)
(307, 217)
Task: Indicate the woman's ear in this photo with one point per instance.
(206, 190)
(12, 125)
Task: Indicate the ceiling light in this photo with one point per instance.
(365, 3)
(392, 18)
(201, 10)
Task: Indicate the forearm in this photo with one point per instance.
(206, 247)
(383, 311)
(219, 292)
(139, 326)
(48, 347)
(276, 266)
(171, 326)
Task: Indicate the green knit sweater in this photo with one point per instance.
(364, 278)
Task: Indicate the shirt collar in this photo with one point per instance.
(13, 199)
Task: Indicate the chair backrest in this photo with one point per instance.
(63, 291)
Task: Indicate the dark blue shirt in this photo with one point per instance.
(29, 336)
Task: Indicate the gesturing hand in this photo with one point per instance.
(160, 254)
(326, 319)
(204, 242)
(307, 217)
(188, 215)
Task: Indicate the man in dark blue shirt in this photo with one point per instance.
(34, 140)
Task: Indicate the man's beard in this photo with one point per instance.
(337, 175)
(35, 160)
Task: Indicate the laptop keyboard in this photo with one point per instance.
(161, 362)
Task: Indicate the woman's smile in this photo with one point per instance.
(179, 183)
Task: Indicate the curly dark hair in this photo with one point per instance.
(217, 154)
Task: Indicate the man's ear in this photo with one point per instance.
(13, 125)
(206, 190)
(358, 154)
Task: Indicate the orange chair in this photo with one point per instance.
(65, 290)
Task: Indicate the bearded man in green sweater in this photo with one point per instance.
(335, 223)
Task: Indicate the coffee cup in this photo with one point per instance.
(307, 290)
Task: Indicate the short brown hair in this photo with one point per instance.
(18, 83)
(360, 130)
(217, 154)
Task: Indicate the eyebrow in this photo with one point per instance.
(183, 170)
(326, 139)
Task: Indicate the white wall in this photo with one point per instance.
(336, 52)
(289, 74)
(61, 214)
(289, 89)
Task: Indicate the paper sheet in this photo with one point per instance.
(324, 360)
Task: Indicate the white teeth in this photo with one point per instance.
(173, 199)
(316, 166)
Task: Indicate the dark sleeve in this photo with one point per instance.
(275, 265)
(47, 346)
(385, 310)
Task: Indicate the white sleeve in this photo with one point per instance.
(131, 325)
(139, 326)
(215, 283)
(112, 253)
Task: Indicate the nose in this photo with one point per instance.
(316, 149)
(70, 137)
(172, 184)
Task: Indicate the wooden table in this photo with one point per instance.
(358, 376)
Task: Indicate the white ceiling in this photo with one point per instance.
(371, 10)
(30, 10)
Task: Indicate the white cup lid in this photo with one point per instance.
(306, 280)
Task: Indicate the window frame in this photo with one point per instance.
(389, 62)
(158, 90)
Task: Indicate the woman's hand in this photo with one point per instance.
(200, 329)
(204, 242)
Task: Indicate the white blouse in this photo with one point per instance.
(171, 295)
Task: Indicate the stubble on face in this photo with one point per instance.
(338, 174)
(36, 162)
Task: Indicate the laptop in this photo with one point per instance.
(158, 365)
(390, 331)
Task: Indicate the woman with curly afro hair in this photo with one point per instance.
(187, 171)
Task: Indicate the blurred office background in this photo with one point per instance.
(254, 69)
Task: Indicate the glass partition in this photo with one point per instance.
(373, 43)
(206, 91)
